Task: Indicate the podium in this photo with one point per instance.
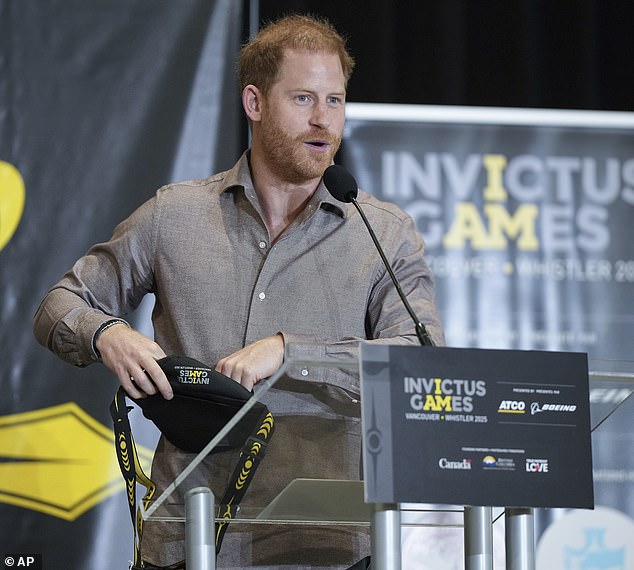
(480, 428)
(356, 496)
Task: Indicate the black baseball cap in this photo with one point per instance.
(204, 401)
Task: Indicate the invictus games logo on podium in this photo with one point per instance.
(444, 399)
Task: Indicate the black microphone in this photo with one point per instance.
(342, 185)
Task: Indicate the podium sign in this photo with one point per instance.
(476, 427)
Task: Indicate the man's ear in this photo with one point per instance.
(252, 102)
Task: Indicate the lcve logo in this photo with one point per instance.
(537, 465)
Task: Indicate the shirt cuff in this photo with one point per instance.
(308, 348)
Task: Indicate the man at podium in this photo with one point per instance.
(249, 267)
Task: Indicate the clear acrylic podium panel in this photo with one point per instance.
(611, 397)
(325, 488)
(305, 476)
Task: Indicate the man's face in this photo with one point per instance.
(303, 116)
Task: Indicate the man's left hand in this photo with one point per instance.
(254, 362)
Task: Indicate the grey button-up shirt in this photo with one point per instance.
(203, 249)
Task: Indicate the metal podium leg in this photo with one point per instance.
(386, 537)
(478, 538)
(519, 539)
(200, 543)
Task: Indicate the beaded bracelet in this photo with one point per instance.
(102, 327)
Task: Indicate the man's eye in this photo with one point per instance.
(303, 98)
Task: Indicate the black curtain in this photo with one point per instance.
(523, 53)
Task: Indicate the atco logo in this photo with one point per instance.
(512, 407)
(537, 465)
(537, 407)
(463, 465)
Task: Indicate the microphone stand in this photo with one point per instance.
(421, 331)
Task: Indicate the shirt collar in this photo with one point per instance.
(240, 176)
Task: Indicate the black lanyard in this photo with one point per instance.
(251, 455)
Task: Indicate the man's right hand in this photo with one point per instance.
(132, 357)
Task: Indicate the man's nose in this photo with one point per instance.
(320, 117)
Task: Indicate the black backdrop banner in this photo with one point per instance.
(101, 102)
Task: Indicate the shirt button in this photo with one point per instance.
(304, 372)
(262, 296)
(262, 244)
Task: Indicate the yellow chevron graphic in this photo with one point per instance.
(59, 461)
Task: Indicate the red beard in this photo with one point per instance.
(291, 158)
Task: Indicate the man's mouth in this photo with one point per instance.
(318, 145)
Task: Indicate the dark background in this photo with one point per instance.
(558, 54)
